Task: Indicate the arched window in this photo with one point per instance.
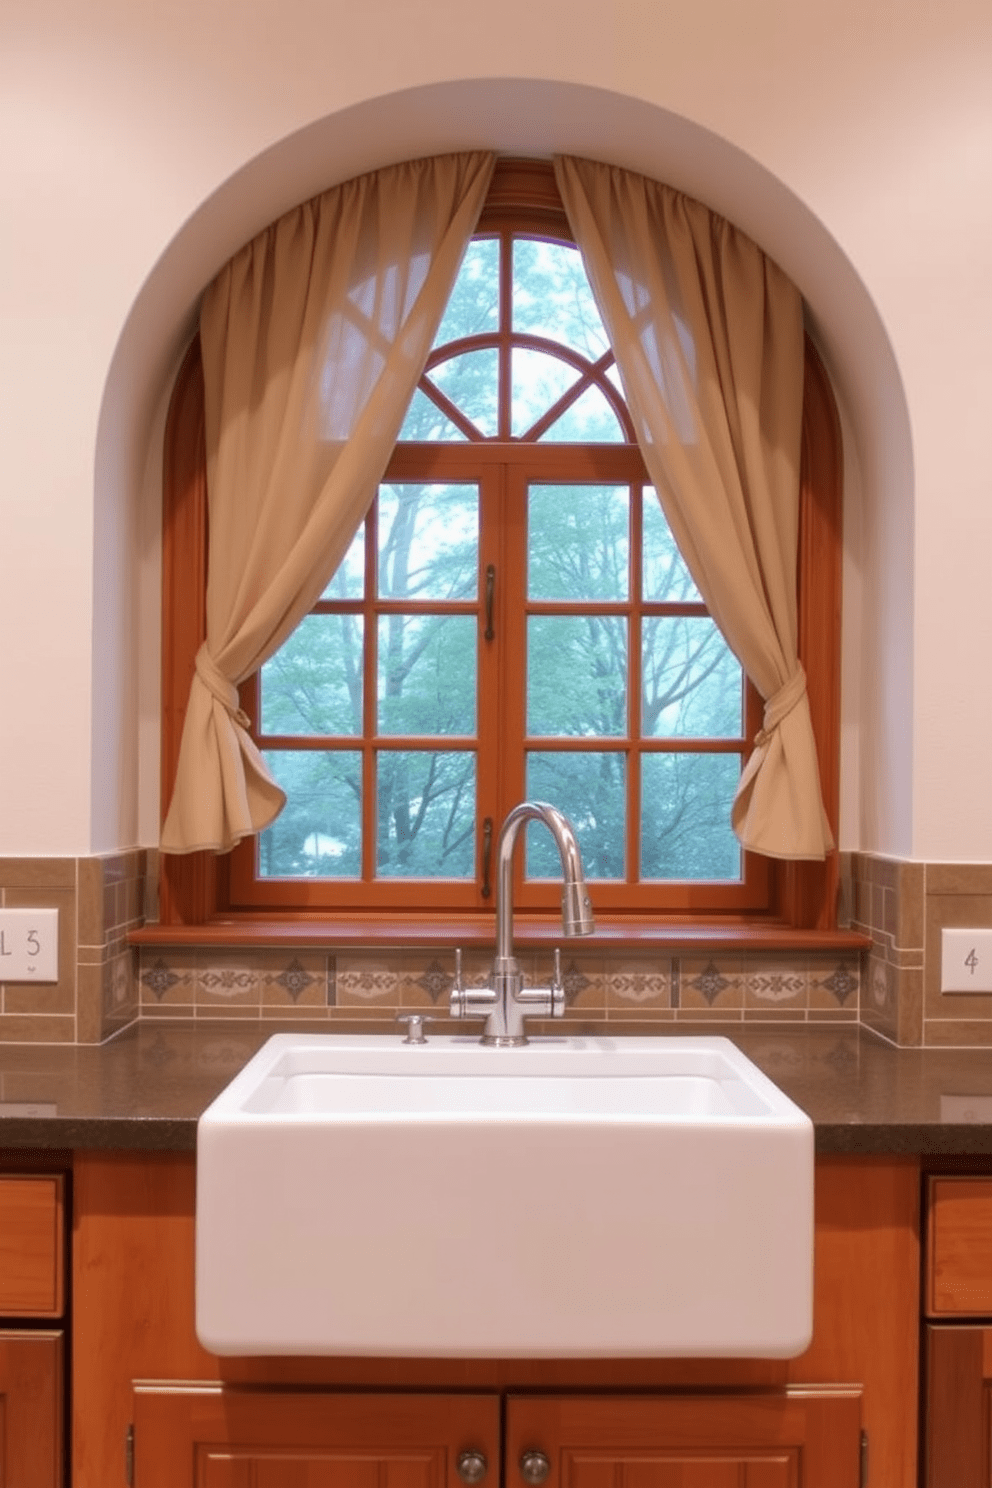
(512, 620)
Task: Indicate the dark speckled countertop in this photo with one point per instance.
(147, 1087)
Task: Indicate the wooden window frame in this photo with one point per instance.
(195, 888)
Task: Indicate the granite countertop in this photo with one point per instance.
(146, 1088)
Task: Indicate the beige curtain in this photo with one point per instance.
(313, 338)
(708, 338)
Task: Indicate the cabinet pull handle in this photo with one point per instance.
(490, 597)
(487, 856)
(472, 1466)
(534, 1467)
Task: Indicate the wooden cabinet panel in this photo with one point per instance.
(31, 1409)
(225, 1437)
(957, 1445)
(808, 1438)
(959, 1248)
(31, 1245)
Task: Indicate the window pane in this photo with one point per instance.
(552, 297)
(685, 817)
(425, 422)
(349, 580)
(589, 420)
(427, 674)
(692, 685)
(473, 308)
(577, 542)
(428, 541)
(313, 683)
(426, 814)
(538, 380)
(319, 832)
(576, 676)
(591, 790)
(666, 577)
(471, 382)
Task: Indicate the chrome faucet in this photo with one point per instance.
(505, 1001)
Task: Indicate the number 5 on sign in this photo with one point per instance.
(966, 961)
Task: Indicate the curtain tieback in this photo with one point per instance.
(219, 687)
(781, 704)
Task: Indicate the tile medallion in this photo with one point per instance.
(708, 984)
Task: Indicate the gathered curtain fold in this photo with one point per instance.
(708, 338)
(313, 339)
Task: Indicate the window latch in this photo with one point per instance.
(487, 856)
(490, 596)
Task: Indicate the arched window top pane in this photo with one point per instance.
(589, 420)
(426, 424)
(471, 382)
(473, 308)
(538, 381)
(552, 297)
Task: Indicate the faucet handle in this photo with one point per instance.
(557, 988)
(469, 1002)
(458, 1005)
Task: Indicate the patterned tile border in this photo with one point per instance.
(608, 991)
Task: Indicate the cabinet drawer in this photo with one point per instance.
(959, 1248)
(31, 1409)
(32, 1245)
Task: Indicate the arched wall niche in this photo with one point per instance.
(535, 118)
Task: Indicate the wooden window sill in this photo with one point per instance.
(355, 932)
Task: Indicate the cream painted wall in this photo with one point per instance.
(140, 143)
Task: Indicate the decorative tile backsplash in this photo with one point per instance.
(104, 984)
(903, 907)
(100, 900)
(599, 988)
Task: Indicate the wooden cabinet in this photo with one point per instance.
(958, 1333)
(620, 1423)
(32, 1244)
(32, 1277)
(231, 1437)
(31, 1409)
(778, 1439)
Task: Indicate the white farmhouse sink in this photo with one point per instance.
(575, 1197)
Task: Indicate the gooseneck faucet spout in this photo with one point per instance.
(576, 911)
(506, 1000)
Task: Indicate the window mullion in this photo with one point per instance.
(488, 801)
(635, 719)
(513, 611)
(504, 411)
(370, 696)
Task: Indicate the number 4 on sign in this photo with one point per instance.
(966, 960)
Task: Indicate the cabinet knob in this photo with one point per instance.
(534, 1467)
(472, 1466)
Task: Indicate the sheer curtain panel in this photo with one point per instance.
(313, 338)
(708, 337)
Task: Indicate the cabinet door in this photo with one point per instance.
(959, 1247)
(31, 1244)
(31, 1409)
(957, 1447)
(224, 1437)
(790, 1439)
